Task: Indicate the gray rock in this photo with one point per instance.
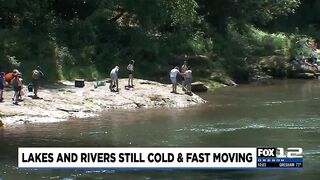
(259, 77)
(61, 101)
(199, 87)
(305, 75)
(223, 79)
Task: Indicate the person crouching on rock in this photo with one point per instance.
(173, 77)
(37, 74)
(2, 84)
(16, 83)
(188, 79)
(130, 73)
(114, 84)
(10, 76)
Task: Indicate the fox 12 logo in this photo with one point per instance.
(279, 152)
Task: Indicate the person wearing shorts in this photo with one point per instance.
(184, 68)
(16, 83)
(188, 79)
(114, 79)
(37, 74)
(173, 77)
(20, 88)
(130, 73)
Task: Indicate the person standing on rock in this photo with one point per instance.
(16, 84)
(114, 83)
(2, 84)
(184, 68)
(20, 87)
(130, 73)
(37, 74)
(188, 76)
(173, 77)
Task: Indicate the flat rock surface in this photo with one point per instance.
(61, 101)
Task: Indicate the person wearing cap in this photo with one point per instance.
(173, 77)
(130, 73)
(2, 84)
(114, 79)
(36, 76)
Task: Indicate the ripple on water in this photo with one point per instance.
(270, 103)
(93, 133)
(216, 129)
(219, 130)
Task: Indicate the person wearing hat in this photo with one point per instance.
(37, 74)
(114, 79)
(130, 73)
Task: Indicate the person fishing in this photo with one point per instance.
(173, 77)
(37, 74)
(114, 83)
(130, 73)
(2, 84)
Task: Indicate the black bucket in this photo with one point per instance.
(30, 87)
(79, 83)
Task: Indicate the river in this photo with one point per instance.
(281, 113)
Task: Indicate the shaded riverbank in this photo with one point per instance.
(61, 101)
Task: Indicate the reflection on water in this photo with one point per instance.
(281, 113)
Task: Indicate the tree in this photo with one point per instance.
(258, 12)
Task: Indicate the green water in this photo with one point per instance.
(278, 113)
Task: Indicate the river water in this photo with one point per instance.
(282, 113)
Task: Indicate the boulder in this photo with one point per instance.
(198, 87)
(223, 79)
(1, 124)
(275, 65)
(61, 102)
(255, 78)
(305, 75)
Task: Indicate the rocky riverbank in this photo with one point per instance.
(61, 101)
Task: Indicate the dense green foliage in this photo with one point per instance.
(86, 38)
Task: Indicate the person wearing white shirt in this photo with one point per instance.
(114, 79)
(173, 76)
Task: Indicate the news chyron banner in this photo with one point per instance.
(160, 158)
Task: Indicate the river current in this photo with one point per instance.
(279, 113)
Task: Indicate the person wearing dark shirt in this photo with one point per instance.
(37, 74)
(2, 83)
